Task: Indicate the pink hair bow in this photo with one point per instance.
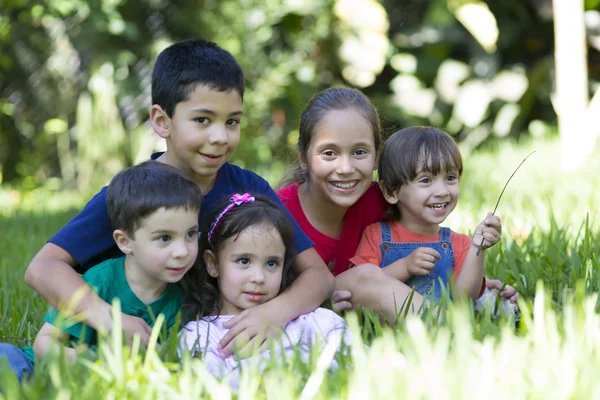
(235, 200)
(238, 199)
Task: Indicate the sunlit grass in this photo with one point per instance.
(551, 355)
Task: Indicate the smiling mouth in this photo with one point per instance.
(215, 156)
(437, 206)
(344, 185)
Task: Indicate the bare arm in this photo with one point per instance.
(471, 275)
(398, 269)
(51, 274)
(419, 262)
(314, 285)
(47, 337)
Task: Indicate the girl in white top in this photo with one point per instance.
(246, 257)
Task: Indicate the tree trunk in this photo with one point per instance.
(571, 98)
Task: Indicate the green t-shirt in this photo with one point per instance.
(108, 280)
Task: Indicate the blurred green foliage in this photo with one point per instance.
(75, 75)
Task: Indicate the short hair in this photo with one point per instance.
(408, 150)
(138, 191)
(182, 66)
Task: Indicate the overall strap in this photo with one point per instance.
(444, 234)
(386, 233)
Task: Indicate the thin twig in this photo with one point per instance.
(501, 193)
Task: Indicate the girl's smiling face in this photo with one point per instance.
(248, 268)
(341, 157)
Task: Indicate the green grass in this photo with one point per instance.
(550, 242)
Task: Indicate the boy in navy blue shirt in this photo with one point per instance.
(197, 95)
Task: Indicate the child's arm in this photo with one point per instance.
(471, 273)
(48, 337)
(420, 262)
(51, 274)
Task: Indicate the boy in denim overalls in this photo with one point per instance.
(419, 172)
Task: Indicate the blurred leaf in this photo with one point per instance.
(478, 20)
(592, 4)
(55, 126)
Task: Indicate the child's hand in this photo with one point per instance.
(509, 292)
(249, 331)
(132, 325)
(341, 301)
(422, 261)
(489, 230)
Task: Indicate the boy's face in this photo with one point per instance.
(163, 248)
(426, 201)
(202, 133)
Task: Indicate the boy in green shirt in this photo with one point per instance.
(154, 209)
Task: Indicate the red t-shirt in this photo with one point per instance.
(368, 209)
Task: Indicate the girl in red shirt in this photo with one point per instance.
(332, 196)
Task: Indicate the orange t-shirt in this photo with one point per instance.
(368, 251)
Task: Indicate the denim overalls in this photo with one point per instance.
(423, 284)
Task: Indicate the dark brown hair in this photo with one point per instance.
(184, 65)
(202, 290)
(333, 99)
(407, 151)
(138, 191)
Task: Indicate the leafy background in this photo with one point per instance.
(75, 75)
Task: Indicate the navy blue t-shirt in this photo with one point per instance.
(88, 236)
